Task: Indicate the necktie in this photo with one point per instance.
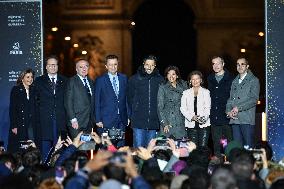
(115, 86)
(86, 86)
(53, 84)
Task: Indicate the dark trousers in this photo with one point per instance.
(244, 133)
(219, 132)
(46, 145)
(198, 135)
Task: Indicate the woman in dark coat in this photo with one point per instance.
(169, 99)
(22, 107)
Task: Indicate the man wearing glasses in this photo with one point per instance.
(241, 105)
(50, 89)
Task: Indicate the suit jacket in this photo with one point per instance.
(203, 106)
(244, 96)
(79, 105)
(107, 103)
(50, 106)
(22, 115)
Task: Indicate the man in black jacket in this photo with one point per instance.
(50, 89)
(219, 84)
(142, 98)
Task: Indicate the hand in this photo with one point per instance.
(151, 145)
(96, 137)
(32, 143)
(15, 130)
(235, 110)
(100, 124)
(130, 167)
(75, 125)
(190, 146)
(167, 128)
(231, 115)
(172, 145)
(99, 161)
(68, 141)
(59, 143)
(143, 153)
(76, 141)
(264, 158)
(106, 141)
(194, 118)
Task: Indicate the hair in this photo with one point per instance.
(23, 74)
(49, 183)
(110, 56)
(195, 72)
(112, 171)
(223, 179)
(52, 57)
(221, 58)
(242, 164)
(198, 179)
(245, 58)
(31, 157)
(150, 57)
(77, 60)
(174, 68)
(96, 177)
(267, 148)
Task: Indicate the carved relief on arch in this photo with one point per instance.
(95, 54)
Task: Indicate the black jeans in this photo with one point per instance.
(218, 132)
(198, 135)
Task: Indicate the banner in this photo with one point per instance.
(274, 75)
(20, 48)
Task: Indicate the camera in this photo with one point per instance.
(256, 154)
(25, 144)
(116, 134)
(118, 157)
(161, 142)
(201, 120)
(104, 135)
(85, 137)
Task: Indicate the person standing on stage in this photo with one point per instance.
(195, 106)
(110, 99)
(142, 98)
(169, 98)
(241, 105)
(22, 111)
(49, 90)
(79, 100)
(219, 85)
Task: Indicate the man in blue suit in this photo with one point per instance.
(110, 99)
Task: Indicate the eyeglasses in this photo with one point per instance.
(241, 64)
(52, 65)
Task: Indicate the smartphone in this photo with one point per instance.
(85, 137)
(104, 135)
(63, 135)
(25, 144)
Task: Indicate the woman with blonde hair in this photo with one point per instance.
(195, 106)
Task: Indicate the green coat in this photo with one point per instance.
(244, 96)
(169, 100)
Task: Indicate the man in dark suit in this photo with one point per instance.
(110, 99)
(79, 100)
(51, 116)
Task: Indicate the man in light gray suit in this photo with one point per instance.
(241, 105)
(79, 100)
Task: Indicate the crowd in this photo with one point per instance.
(71, 132)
